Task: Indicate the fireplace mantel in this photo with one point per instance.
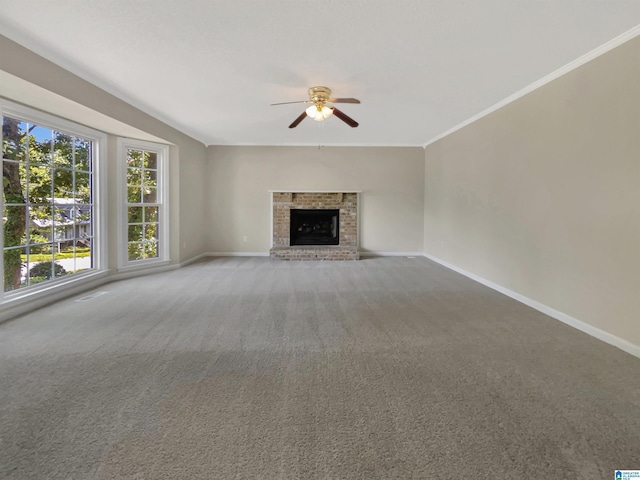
(345, 201)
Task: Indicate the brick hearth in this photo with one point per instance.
(345, 202)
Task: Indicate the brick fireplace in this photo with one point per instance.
(343, 206)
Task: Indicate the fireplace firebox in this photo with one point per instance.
(314, 227)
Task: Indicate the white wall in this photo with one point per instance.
(542, 197)
(239, 180)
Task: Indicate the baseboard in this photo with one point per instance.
(236, 254)
(563, 317)
(390, 254)
(193, 259)
(266, 254)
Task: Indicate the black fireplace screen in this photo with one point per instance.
(314, 227)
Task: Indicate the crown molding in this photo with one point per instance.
(578, 62)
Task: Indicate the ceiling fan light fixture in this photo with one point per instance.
(311, 111)
(319, 112)
(315, 112)
(326, 111)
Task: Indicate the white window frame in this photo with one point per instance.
(162, 152)
(99, 216)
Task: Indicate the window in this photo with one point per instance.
(49, 192)
(145, 238)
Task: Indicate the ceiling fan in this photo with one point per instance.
(319, 97)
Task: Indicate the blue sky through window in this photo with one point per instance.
(41, 133)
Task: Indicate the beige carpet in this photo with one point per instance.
(389, 368)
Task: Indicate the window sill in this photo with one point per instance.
(127, 271)
(19, 302)
(131, 267)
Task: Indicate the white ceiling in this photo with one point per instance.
(212, 68)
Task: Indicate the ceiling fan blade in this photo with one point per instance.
(287, 103)
(345, 118)
(297, 121)
(343, 100)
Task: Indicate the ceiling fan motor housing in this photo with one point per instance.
(319, 95)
